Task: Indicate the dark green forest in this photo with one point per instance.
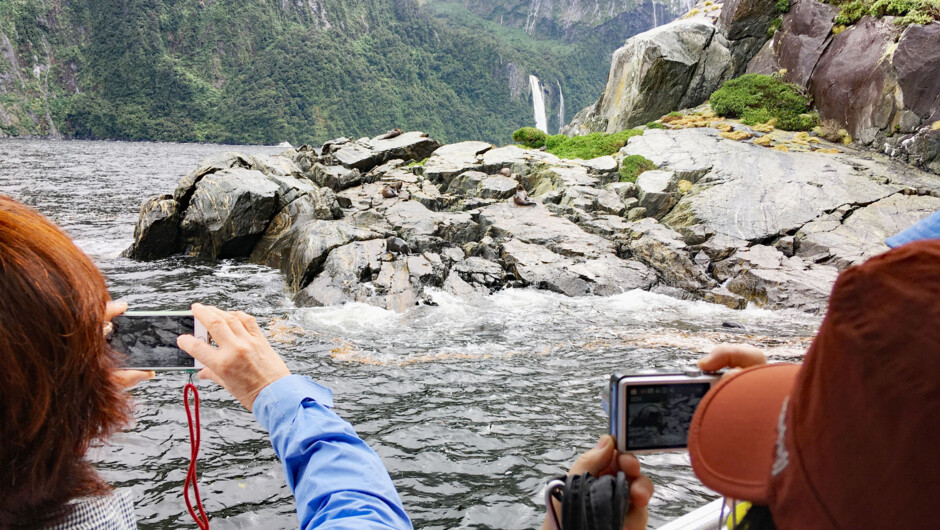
(250, 71)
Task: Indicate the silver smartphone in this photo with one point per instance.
(148, 339)
(652, 412)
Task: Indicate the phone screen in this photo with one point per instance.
(149, 341)
(659, 415)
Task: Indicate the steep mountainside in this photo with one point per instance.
(265, 72)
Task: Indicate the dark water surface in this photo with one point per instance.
(472, 406)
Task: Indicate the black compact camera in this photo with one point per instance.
(652, 412)
(148, 339)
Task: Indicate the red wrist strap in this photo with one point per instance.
(202, 521)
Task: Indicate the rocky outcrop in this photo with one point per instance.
(879, 81)
(724, 221)
(676, 66)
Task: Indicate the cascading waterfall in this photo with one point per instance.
(655, 21)
(538, 104)
(561, 107)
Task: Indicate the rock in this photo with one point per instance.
(451, 160)
(917, 61)
(861, 235)
(746, 18)
(657, 192)
(337, 178)
(467, 183)
(187, 185)
(228, 213)
(852, 84)
(636, 213)
(732, 199)
(364, 155)
(720, 295)
(536, 225)
(535, 265)
(345, 274)
(515, 158)
(156, 234)
(624, 190)
(764, 276)
(427, 230)
(480, 271)
(803, 38)
(497, 187)
(298, 241)
(664, 251)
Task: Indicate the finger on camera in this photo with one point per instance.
(250, 323)
(215, 323)
(641, 491)
(113, 309)
(232, 321)
(637, 518)
(732, 356)
(629, 464)
(198, 349)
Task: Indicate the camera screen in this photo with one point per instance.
(150, 341)
(658, 415)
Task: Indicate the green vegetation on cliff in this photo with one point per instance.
(250, 71)
(757, 98)
(907, 11)
(585, 147)
(631, 167)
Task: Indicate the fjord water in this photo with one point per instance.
(473, 406)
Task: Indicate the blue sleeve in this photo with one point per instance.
(337, 480)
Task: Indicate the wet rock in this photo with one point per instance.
(298, 241)
(228, 212)
(363, 155)
(917, 60)
(606, 275)
(476, 270)
(664, 250)
(345, 275)
(156, 234)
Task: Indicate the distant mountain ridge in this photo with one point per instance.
(304, 71)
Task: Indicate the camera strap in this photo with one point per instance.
(195, 436)
(588, 502)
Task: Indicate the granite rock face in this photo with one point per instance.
(675, 66)
(875, 79)
(749, 225)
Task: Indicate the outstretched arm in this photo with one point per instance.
(337, 480)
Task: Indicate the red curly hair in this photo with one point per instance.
(57, 394)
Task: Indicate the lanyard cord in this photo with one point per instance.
(202, 521)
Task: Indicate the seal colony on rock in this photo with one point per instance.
(392, 190)
(315, 217)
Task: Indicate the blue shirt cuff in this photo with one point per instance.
(282, 397)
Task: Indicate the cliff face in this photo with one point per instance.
(303, 71)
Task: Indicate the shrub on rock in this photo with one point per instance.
(633, 165)
(756, 98)
(529, 137)
(591, 145)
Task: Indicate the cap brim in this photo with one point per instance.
(926, 228)
(734, 430)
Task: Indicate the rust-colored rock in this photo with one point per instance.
(917, 61)
(852, 81)
(802, 39)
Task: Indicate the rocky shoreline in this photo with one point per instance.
(721, 220)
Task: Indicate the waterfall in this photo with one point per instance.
(561, 107)
(655, 22)
(538, 104)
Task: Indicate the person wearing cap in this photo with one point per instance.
(848, 439)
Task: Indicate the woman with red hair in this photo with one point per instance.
(60, 390)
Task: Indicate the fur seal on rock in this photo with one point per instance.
(391, 190)
(390, 134)
(521, 198)
(397, 245)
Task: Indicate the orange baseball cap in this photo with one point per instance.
(850, 439)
